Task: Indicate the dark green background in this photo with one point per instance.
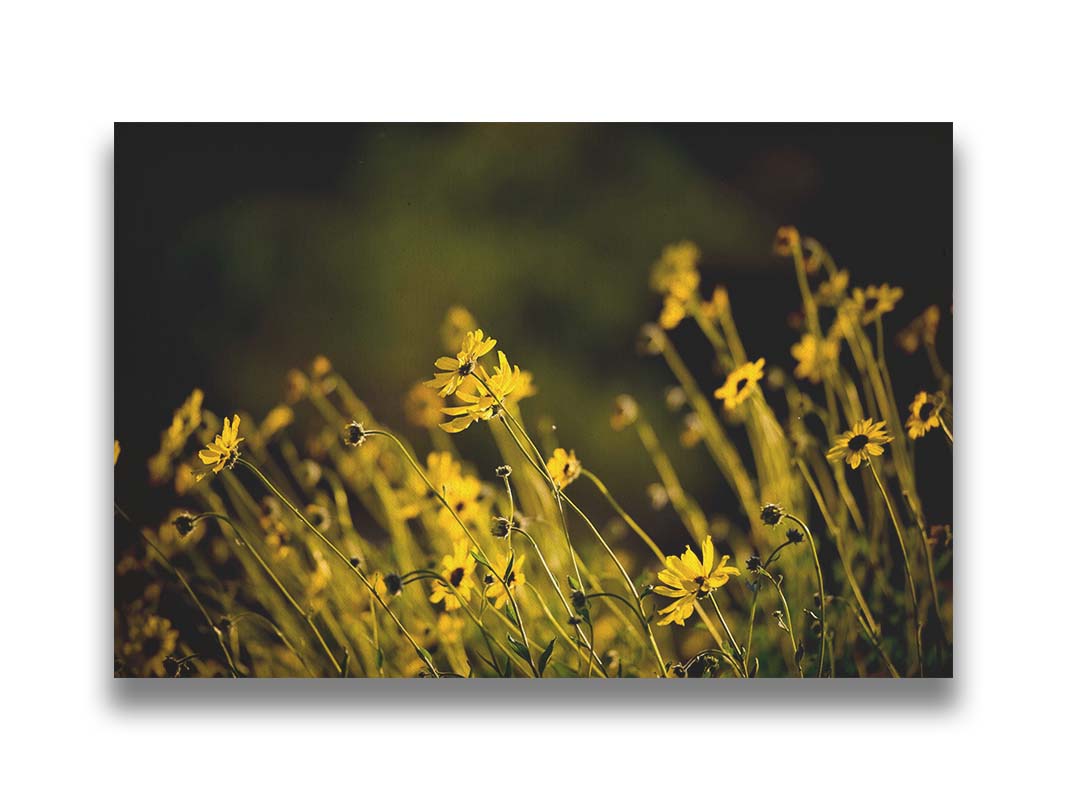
(243, 250)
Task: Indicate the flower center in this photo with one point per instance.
(926, 410)
(857, 443)
(466, 368)
(870, 304)
(456, 576)
(741, 384)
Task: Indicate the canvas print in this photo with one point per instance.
(584, 401)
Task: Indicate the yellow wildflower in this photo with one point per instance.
(223, 452)
(458, 571)
(814, 358)
(925, 414)
(689, 579)
(482, 404)
(185, 421)
(863, 441)
(874, 301)
(494, 589)
(454, 370)
(564, 467)
(675, 273)
(463, 494)
(832, 292)
(740, 384)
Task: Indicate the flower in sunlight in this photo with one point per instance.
(457, 569)
(740, 384)
(688, 579)
(564, 467)
(453, 370)
(863, 441)
(223, 452)
(494, 589)
(925, 414)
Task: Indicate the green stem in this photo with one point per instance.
(192, 594)
(455, 515)
(822, 591)
(725, 627)
(274, 578)
(907, 565)
(422, 654)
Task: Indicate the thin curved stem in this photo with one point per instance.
(455, 515)
(822, 591)
(277, 582)
(419, 650)
(907, 565)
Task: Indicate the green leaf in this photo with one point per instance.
(509, 612)
(542, 662)
(508, 570)
(573, 583)
(477, 556)
(519, 648)
(491, 664)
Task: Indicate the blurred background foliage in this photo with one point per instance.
(244, 250)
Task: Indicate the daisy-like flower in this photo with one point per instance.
(453, 370)
(863, 441)
(689, 579)
(675, 276)
(463, 494)
(564, 467)
(832, 291)
(185, 421)
(925, 414)
(494, 589)
(675, 273)
(874, 301)
(223, 452)
(815, 359)
(740, 384)
(482, 403)
(457, 568)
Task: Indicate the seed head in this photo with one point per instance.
(185, 524)
(355, 434)
(771, 514)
